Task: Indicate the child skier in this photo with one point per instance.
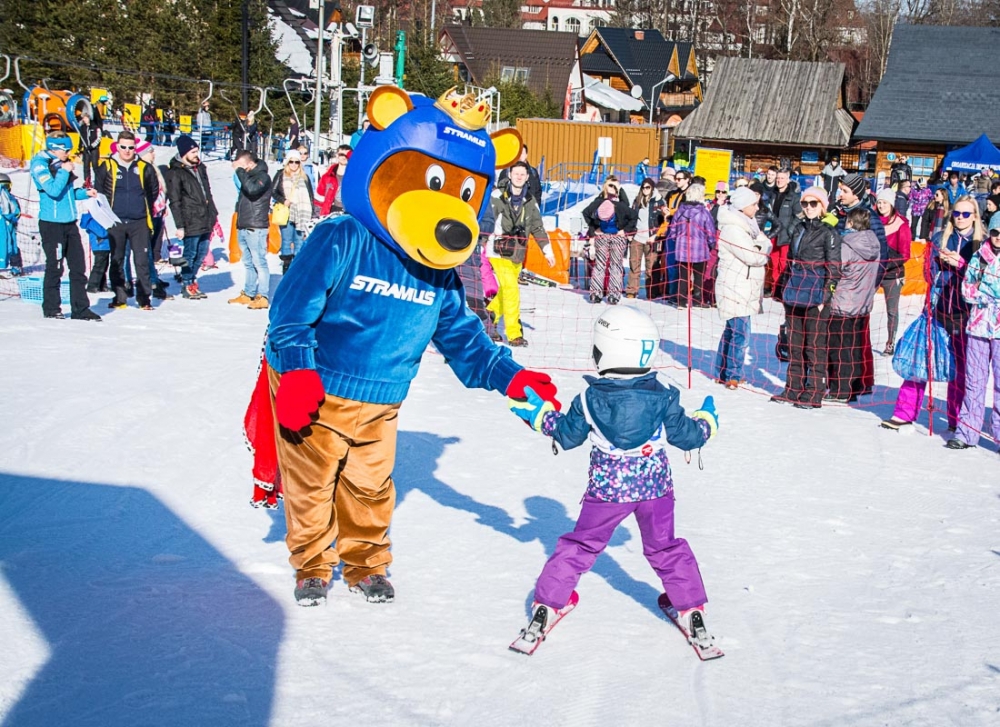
(629, 417)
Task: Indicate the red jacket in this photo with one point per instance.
(326, 188)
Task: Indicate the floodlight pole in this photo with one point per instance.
(314, 153)
(656, 95)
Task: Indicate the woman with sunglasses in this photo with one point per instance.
(609, 222)
(293, 188)
(648, 212)
(981, 290)
(814, 259)
(935, 215)
(952, 250)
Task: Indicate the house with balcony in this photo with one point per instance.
(662, 74)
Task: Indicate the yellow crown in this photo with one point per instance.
(466, 110)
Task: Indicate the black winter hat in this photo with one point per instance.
(185, 144)
(856, 183)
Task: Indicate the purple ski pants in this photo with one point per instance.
(979, 354)
(911, 393)
(576, 552)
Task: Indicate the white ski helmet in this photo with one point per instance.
(625, 341)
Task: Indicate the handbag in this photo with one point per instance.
(280, 214)
(910, 359)
(803, 286)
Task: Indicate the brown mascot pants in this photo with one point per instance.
(339, 494)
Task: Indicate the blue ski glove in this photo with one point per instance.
(708, 414)
(531, 409)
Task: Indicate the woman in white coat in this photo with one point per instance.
(743, 255)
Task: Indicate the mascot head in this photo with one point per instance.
(422, 173)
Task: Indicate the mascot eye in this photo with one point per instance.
(468, 189)
(435, 177)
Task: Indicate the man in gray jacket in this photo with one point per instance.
(252, 220)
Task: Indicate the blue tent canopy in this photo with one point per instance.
(977, 156)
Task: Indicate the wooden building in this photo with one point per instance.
(544, 61)
(785, 113)
(939, 92)
(662, 74)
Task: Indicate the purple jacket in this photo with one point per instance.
(692, 233)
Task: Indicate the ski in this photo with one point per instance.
(529, 277)
(701, 641)
(543, 620)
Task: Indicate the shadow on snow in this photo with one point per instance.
(146, 623)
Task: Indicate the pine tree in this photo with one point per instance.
(426, 71)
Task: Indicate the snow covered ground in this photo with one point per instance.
(854, 573)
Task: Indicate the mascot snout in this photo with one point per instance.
(452, 235)
(434, 228)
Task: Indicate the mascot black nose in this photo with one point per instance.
(452, 235)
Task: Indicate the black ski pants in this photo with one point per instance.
(135, 232)
(61, 241)
(805, 382)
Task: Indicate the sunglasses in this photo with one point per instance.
(646, 186)
(963, 215)
(811, 203)
(721, 192)
(294, 162)
(125, 148)
(994, 233)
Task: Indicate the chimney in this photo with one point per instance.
(640, 35)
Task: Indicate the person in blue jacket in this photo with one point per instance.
(10, 213)
(100, 249)
(52, 174)
(629, 417)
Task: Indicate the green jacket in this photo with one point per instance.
(519, 226)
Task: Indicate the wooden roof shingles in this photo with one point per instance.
(549, 55)
(939, 87)
(778, 102)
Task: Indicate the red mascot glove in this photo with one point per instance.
(300, 393)
(541, 383)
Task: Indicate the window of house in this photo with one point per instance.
(576, 101)
(518, 75)
(923, 166)
(573, 25)
(555, 23)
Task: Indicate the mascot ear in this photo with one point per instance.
(508, 145)
(386, 104)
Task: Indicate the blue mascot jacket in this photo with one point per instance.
(361, 313)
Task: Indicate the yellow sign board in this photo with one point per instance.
(714, 165)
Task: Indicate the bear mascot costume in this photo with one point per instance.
(352, 318)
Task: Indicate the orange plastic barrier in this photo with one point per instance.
(914, 283)
(536, 262)
(273, 241)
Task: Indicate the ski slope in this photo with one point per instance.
(853, 573)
